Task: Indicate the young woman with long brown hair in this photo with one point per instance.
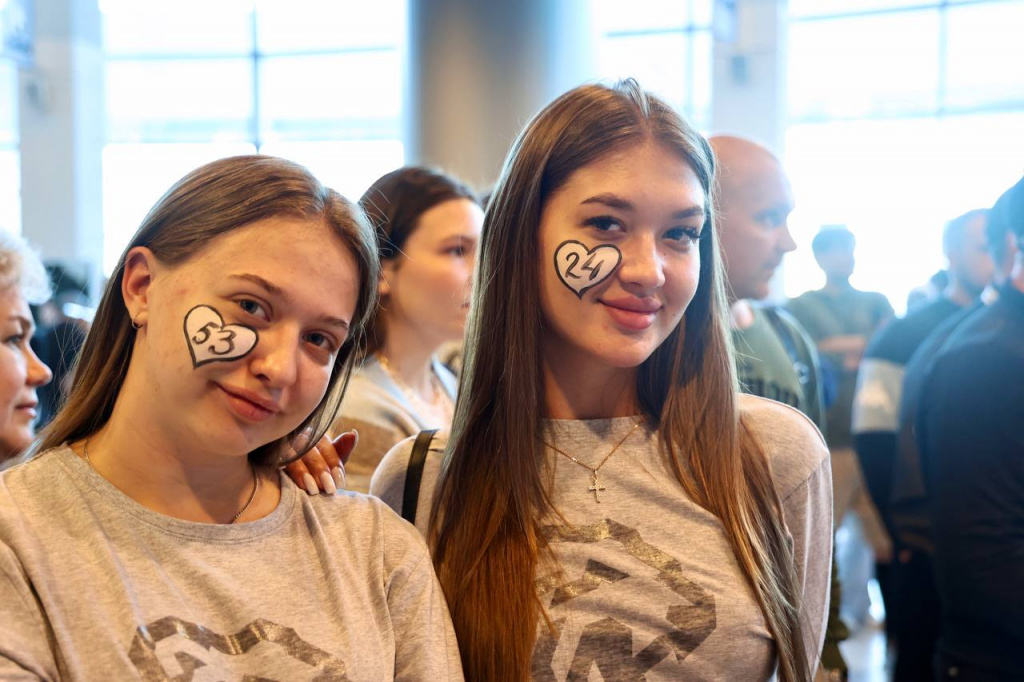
(606, 502)
(427, 225)
(152, 536)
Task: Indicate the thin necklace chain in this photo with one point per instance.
(252, 495)
(441, 397)
(595, 486)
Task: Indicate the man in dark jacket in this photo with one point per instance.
(970, 435)
(875, 426)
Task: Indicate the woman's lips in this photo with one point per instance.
(632, 314)
(28, 409)
(249, 406)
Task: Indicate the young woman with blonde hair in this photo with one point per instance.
(23, 281)
(152, 536)
(606, 503)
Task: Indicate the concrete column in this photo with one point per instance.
(749, 96)
(62, 126)
(477, 71)
(749, 76)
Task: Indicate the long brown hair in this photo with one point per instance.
(394, 204)
(486, 541)
(208, 202)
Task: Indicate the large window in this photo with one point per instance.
(903, 114)
(10, 173)
(666, 46)
(190, 81)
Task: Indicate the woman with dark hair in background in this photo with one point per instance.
(606, 500)
(427, 225)
(153, 535)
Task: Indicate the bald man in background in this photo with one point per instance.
(775, 357)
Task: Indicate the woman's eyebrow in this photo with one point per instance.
(461, 236)
(277, 291)
(27, 325)
(269, 287)
(614, 201)
(334, 322)
(691, 212)
(611, 201)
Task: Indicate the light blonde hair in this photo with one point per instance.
(22, 268)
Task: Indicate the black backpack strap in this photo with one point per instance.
(802, 362)
(414, 474)
(799, 353)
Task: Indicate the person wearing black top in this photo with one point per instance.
(971, 441)
(914, 581)
(875, 425)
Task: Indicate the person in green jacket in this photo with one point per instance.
(775, 357)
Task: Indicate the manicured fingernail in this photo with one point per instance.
(356, 434)
(310, 484)
(339, 477)
(328, 483)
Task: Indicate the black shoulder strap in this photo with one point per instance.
(803, 362)
(414, 474)
(784, 332)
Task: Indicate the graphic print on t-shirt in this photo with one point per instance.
(755, 385)
(608, 644)
(175, 649)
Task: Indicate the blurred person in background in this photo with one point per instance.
(970, 436)
(451, 353)
(775, 357)
(427, 225)
(60, 336)
(840, 319)
(23, 282)
(875, 417)
(929, 291)
(914, 579)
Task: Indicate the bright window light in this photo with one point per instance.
(316, 82)
(349, 167)
(900, 121)
(10, 170)
(135, 176)
(665, 46)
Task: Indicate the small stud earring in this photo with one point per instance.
(136, 325)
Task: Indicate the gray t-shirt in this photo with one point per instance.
(649, 585)
(94, 586)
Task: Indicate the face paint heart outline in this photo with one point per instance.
(589, 254)
(232, 353)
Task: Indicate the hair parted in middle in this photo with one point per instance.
(211, 201)
(487, 545)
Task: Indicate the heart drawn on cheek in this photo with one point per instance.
(210, 340)
(581, 268)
